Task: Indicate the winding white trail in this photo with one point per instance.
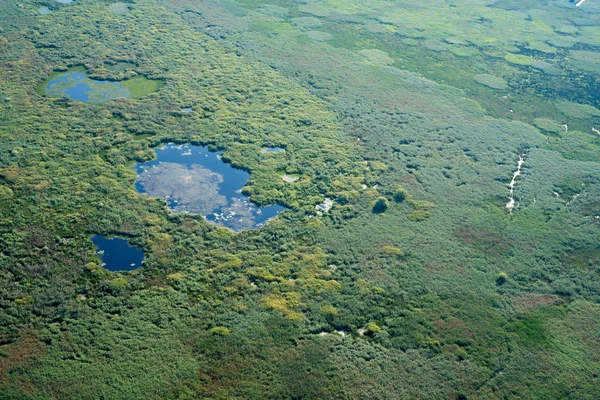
(511, 203)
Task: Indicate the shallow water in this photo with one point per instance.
(44, 10)
(76, 85)
(195, 180)
(273, 150)
(117, 255)
(64, 1)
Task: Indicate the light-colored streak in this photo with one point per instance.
(511, 203)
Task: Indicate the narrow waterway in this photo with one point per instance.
(511, 203)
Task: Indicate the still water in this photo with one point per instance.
(117, 255)
(76, 85)
(195, 180)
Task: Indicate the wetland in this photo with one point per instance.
(195, 180)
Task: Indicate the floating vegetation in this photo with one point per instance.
(116, 254)
(435, 45)
(195, 180)
(290, 178)
(306, 23)
(76, 85)
(577, 110)
(518, 59)
(120, 66)
(377, 57)
(119, 8)
(491, 81)
(273, 150)
(319, 36)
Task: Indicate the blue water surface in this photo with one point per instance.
(44, 10)
(117, 255)
(274, 150)
(233, 181)
(77, 86)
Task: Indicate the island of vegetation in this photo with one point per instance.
(297, 199)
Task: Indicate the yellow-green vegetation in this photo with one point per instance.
(140, 86)
(372, 328)
(284, 303)
(518, 59)
(219, 331)
(392, 251)
(410, 118)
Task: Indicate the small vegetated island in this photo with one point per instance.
(282, 199)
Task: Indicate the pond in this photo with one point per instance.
(76, 85)
(44, 10)
(117, 255)
(195, 180)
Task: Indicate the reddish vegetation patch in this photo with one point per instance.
(483, 239)
(534, 301)
(20, 353)
(454, 326)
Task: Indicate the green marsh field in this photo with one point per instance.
(436, 164)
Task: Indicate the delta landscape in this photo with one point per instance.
(299, 199)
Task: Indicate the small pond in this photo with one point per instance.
(116, 254)
(195, 180)
(44, 10)
(64, 1)
(76, 85)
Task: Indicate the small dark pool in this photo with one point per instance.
(195, 180)
(116, 254)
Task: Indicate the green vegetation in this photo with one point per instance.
(419, 111)
(380, 205)
(491, 81)
(140, 86)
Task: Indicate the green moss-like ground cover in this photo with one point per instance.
(404, 302)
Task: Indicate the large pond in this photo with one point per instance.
(195, 180)
(76, 85)
(116, 254)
